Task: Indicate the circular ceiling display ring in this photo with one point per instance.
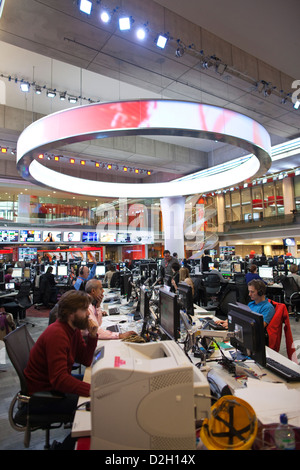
(145, 117)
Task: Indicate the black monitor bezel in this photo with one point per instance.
(253, 322)
(173, 332)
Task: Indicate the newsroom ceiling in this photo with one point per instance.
(52, 43)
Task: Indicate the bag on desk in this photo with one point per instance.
(7, 324)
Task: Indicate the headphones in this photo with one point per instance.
(81, 271)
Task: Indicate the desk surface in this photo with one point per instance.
(264, 391)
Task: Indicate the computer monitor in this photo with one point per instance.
(185, 299)
(168, 280)
(2, 278)
(17, 272)
(100, 270)
(169, 314)
(249, 332)
(10, 286)
(265, 272)
(144, 303)
(62, 270)
(26, 273)
(127, 285)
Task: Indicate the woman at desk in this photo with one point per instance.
(252, 274)
(8, 276)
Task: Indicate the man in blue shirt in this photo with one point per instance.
(259, 303)
(84, 275)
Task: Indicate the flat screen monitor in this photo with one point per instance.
(89, 237)
(265, 272)
(289, 242)
(9, 235)
(237, 267)
(72, 236)
(10, 286)
(62, 270)
(30, 236)
(27, 253)
(52, 237)
(249, 332)
(17, 272)
(2, 278)
(100, 270)
(169, 314)
(127, 285)
(26, 273)
(54, 268)
(186, 300)
(144, 303)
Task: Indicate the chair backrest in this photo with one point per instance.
(24, 290)
(289, 285)
(18, 344)
(212, 283)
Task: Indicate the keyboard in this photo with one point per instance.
(114, 328)
(283, 371)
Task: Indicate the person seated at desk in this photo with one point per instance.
(294, 273)
(85, 275)
(252, 274)
(175, 276)
(259, 302)
(8, 276)
(109, 274)
(95, 290)
(59, 346)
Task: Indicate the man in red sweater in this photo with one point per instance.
(60, 345)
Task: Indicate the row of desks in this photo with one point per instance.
(266, 393)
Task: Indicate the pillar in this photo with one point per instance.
(172, 209)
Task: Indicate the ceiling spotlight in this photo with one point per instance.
(85, 6)
(141, 33)
(38, 89)
(72, 160)
(125, 168)
(51, 93)
(109, 166)
(41, 156)
(297, 104)
(72, 99)
(82, 162)
(220, 68)
(56, 158)
(161, 41)
(62, 96)
(124, 23)
(179, 52)
(3, 150)
(105, 17)
(25, 86)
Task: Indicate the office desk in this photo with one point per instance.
(268, 395)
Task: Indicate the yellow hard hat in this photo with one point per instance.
(232, 425)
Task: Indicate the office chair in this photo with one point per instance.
(291, 294)
(115, 280)
(47, 295)
(241, 288)
(274, 329)
(20, 304)
(228, 296)
(212, 284)
(18, 344)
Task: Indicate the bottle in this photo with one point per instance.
(284, 435)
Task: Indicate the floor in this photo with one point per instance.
(9, 385)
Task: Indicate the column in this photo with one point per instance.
(173, 217)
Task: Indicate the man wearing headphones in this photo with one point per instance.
(259, 303)
(84, 275)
